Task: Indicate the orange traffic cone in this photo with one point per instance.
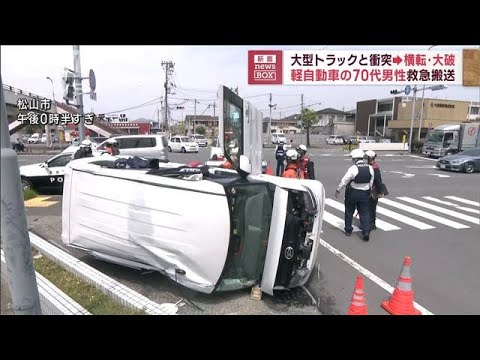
(269, 169)
(358, 305)
(401, 301)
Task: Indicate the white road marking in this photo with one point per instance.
(423, 158)
(462, 200)
(325, 154)
(405, 175)
(475, 211)
(440, 175)
(441, 210)
(422, 167)
(336, 221)
(367, 273)
(405, 219)
(380, 223)
(389, 155)
(424, 214)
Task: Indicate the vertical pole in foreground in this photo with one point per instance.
(78, 91)
(14, 232)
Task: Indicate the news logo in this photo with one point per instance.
(265, 67)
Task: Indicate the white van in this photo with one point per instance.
(147, 146)
(335, 140)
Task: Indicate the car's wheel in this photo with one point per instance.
(169, 149)
(26, 185)
(183, 150)
(469, 167)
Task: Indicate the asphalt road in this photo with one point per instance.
(440, 234)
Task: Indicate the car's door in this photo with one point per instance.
(56, 170)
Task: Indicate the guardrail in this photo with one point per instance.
(20, 91)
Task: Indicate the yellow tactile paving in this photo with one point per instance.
(40, 201)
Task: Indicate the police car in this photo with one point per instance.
(46, 176)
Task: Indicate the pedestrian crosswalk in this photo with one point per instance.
(404, 211)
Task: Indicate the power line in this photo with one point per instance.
(148, 103)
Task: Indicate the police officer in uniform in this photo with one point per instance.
(358, 181)
(293, 169)
(280, 155)
(84, 151)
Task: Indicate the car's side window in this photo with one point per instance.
(60, 161)
(146, 142)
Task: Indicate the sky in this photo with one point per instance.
(129, 76)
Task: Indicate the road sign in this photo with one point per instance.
(93, 96)
(92, 80)
(407, 90)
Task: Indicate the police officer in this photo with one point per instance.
(376, 188)
(280, 155)
(293, 167)
(306, 164)
(358, 181)
(84, 151)
(111, 147)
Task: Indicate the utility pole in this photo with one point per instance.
(78, 91)
(270, 105)
(301, 113)
(195, 101)
(168, 68)
(14, 233)
(214, 105)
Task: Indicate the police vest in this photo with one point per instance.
(363, 176)
(280, 153)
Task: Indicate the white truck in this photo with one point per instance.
(450, 139)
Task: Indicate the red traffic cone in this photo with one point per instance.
(358, 305)
(401, 301)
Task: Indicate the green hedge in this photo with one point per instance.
(29, 194)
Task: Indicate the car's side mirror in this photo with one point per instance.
(44, 165)
(245, 164)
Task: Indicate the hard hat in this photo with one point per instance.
(302, 148)
(112, 141)
(86, 143)
(292, 155)
(370, 154)
(357, 154)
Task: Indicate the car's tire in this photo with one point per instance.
(183, 150)
(169, 149)
(26, 184)
(469, 167)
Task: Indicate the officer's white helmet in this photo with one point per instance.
(302, 148)
(370, 154)
(112, 141)
(86, 143)
(292, 155)
(357, 154)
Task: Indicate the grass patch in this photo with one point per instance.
(91, 298)
(29, 194)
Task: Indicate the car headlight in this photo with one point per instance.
(456, 162)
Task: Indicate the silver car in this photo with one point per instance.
(467, 161)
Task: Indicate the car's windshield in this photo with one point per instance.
(185, 139)
(434, 136)
(199, 137)
(251, 213)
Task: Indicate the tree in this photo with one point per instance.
(308, 119)
(31, 129)
(201, 130)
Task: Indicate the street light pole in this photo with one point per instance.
(47, 127)
(423, 104)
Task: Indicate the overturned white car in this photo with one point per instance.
(208, 229)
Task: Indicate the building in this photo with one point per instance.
(287, 125)
(390, 117)
(334, 122)
(210, 123)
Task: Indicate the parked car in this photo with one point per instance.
(182, 144)
(335, 140)
(366, 139)
(34, 139)
(47, 176)
(467, 161)
(278, 137)
(201, 140)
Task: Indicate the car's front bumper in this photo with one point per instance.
(452, 167)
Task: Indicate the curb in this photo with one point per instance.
(104, 283)
(53, 301)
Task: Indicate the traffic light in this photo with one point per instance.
(68, 88)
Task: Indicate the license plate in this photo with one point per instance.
(442, 166)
